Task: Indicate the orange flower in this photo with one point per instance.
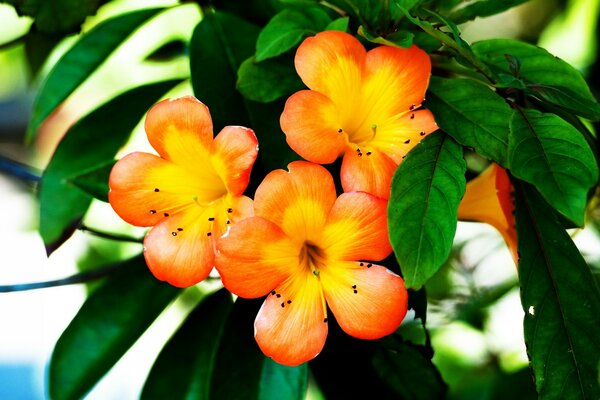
(489, 199)
(362, 105)
(190, 193)
(304, 249)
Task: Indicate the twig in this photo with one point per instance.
(109, 235)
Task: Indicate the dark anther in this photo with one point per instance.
(407, 141)
(289, 302)
(362, 264)
(403, 157)
(412, 107)
(179, 229)
(282, 305)
(278, 295)
(324, 319)
(209, 234)
(152, 211)
(273, 292)
(360, 154)
(156, 189)
(355, 291)
(353, 286)
(166, 214)
(340, 130)
(368, 153)
(174, 233)
(230, 210)
(422, 133)
(211, 219)
(412, 116)
(228, 222)
(369, 265)
(358, 150)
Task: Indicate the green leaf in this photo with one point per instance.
(268, 80)
(549, 153)
(89, 144)
(422, 211)
(561, 303)
(184, 367)
(473, 114)
(81, 60)
(407, 371)
(396, 39)
(482, 8)
(56, 16)
(566, 98)
(110, 321)
(279, 382)
(537, 66)
(286, 29)
(95, 181)
(340, 24)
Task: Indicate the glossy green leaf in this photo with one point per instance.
(537, 66)
(567, 99)
(482, 8)
(81, 60)
(473, 114)
(56, 16)
(279, 382)
(95, 181)
(547, 152)
(408, 371)
(89, 144)
(268, 80)
(561, 303)
(340, 24)
(113, 317)
(288, 28)
(184, 368)
(396, 39)
(422, 210)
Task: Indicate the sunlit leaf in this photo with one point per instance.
(482, 8)
(107, 325)
(547, 152)
(340, 24)
(81, 60)
(89, 144)
(268, 80)
(422, 211)
(472, 114)
(561, 303)
(286, 29)
(184, 368)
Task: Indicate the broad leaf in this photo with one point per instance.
(88, 144)
(95, 181)
(482, 8)
(286, 29)
(107, 325)
(422, 211)
(473, 114)
(550, 154)
(537, 66)
(567, 99)
(268, 80)
(561, 303)
(184, 368)
(340, 24)
(408, 371)
(81, 60)
(396, 39)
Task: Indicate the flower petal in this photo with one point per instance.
(234, 151)
(331, 63)
(488, 198)
(312, 127)
(180, 130)
(368, 170)
(291, 326)
(357, 228)
(231, 210)
(298, 201)
(254, 257)
(180, 248)
(395, 80)
(143, 187)
(368, 302)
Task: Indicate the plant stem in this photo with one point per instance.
(18, 170)
(109, 235)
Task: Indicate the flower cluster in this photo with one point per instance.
(309, 251)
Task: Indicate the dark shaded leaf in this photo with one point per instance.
(279, 382)
(566, 98)
(547, 152)
(473, 114)
(396, 39)
(107, 325)
(482, 8)
(81, 60)
(422, 211)
(89, 144)
(286, 29)
(184, 368)
(38, 47)
(561, 303)
(268, 80)
(169, 51)
(95, 181)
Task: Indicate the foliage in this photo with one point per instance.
(506, 101)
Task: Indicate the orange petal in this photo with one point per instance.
(368, 302)
(367, 170)
(312, 127)
(254, 257)
(291, 326)
(395, 79)
(234, 151)
(357, 228)
(488, 198)
(180, 130)
(298, 201)
(230, 211)
(180, 248)
(143, 187)
(332, 63)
